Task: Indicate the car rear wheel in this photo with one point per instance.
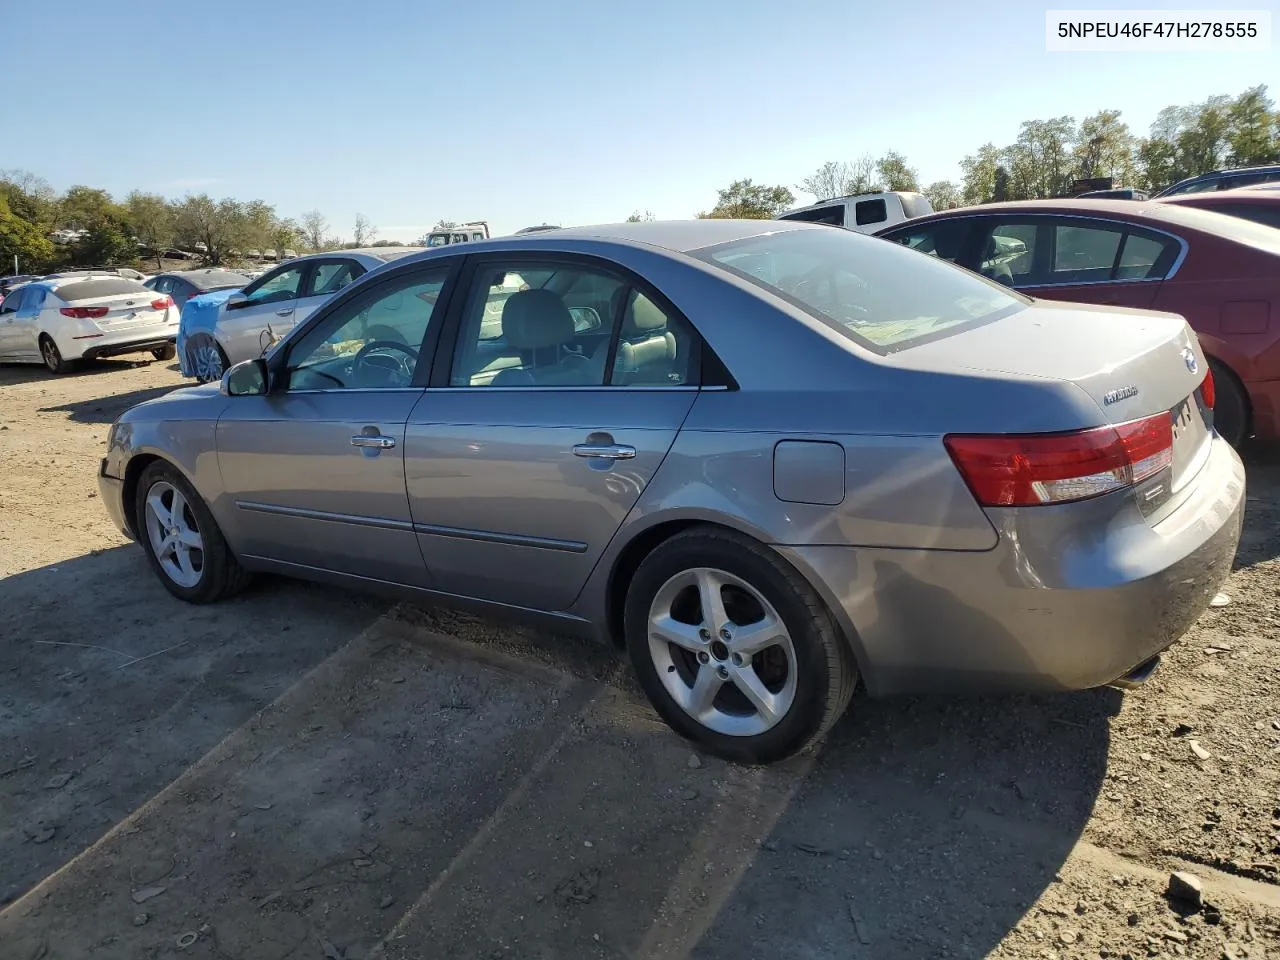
(52, 356)
(1230, 405)
(181, 539)
(733, 647)
(167, 352)
(205, 358)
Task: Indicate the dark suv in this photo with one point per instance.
(1223, 180)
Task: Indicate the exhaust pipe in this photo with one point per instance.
(1138, 675)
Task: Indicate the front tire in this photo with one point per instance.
(1231, 414)
(182, 541)
(734, 649)
(205, 358)
(52, 356)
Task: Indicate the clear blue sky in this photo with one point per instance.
(530, 111)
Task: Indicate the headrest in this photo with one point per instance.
(532, 319)
(642, 316)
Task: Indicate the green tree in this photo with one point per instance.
(1254, 137)
(746, 200)
(152, 219)
(638, 217)
(208, 225)
(285, 235)
(29, 197)
(1040, 161)
(894, 174)
(22, 239)
(1105, 148)
(363, 231)
(828, 181)
(445, 224)
(943, 195)
(85, 208)
(978, 175)
(109, 243)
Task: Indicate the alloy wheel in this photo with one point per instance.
(722, 652)
(174, 534)
(207, 361)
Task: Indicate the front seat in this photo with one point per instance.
(646, 348)
(538, 324)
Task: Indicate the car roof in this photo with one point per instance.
(197, 274)
(1249, 195)
(677, 235)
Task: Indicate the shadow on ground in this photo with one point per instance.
(447, 798)
(15, 373)
(111, 685)
(107, 409)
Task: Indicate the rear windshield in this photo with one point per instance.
(881, 295)
(219, 281)
(1219, 224)
(102, 287)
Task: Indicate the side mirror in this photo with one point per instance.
(236, 301)
(248, 378)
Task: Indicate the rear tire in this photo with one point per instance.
(53, 356)
(1231, 412)
(182, 541)
(167, 352)
(760, 679)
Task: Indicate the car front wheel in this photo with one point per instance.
(182, 540)
(734, 648)
(205, 358)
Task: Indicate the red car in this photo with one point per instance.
(1221, 273)
(1249, 203)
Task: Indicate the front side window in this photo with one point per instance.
(881, 296)
(1009, 253)
(12, 302)
(275, 288)
(374, 341)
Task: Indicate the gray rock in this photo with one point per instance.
(1186, 887)
(140, 919)
(695, 761)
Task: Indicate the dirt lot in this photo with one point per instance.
(304, 773)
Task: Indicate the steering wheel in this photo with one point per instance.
(385, 366)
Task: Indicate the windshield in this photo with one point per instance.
(438, 240)
(880, 294)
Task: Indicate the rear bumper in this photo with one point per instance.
(1052, 606)
(135, 345)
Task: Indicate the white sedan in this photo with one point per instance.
(60, 320)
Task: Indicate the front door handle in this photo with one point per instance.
(606, 451)
(377, 441)
(285, 313)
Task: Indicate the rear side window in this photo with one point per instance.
(870, 211)
(877, 294)
(832, 215)
(104, 287)
(1145, 257)
(1084, 254)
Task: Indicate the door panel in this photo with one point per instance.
(273, 299)
(302, 492)
(1137, 294)
(10, 337)
(504, 508)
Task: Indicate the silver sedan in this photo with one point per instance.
(775, 461)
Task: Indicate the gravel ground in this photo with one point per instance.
(304, 773)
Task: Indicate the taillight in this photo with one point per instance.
(84, 313)
(164, 303)
(1208, 393)
(1006, 470)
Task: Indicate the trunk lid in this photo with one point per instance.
(125, 310)
(1131, 363)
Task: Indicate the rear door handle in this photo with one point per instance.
(376, 441)
(606, 451)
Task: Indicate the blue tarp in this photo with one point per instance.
(199, 314)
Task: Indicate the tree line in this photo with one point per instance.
(86, 226)
(1048, 156)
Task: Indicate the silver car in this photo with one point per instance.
(774, 460)
(250, 321)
